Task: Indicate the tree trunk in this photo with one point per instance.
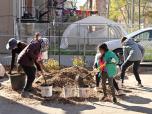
(101, 6)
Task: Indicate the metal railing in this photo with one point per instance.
(76, 47)
(29, 13)
(81, 45)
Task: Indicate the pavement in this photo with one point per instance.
(136, 101)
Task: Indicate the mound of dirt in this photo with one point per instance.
(72, 77)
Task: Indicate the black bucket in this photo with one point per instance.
(17, 81)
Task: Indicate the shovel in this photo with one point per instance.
(46, 89)
(45, 81)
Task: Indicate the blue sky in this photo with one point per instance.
(80, 2)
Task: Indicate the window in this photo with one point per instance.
(144, 36)
(93, 28)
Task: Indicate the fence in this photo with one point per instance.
(82, 42)
(84, 47)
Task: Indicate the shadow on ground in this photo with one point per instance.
(147, 89)
(136, 99)
(140, 109)
(70, 109)
(15, 108)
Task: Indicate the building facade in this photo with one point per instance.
(6, 23)
(16, 11)
(102, 6)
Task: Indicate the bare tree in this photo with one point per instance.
(101, 6)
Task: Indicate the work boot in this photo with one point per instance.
(140, 85)
(120, 92)
(114, 100)
(26, 94)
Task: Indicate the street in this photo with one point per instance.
(136, 101)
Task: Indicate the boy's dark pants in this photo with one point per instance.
(30, 71)
(136, 65)
(98, 78)
(110, 81)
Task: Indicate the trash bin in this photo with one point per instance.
(17, 81)
(2, 70)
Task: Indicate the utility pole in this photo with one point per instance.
(108, 8)
(101, 7)
(133, 10)
(139, 13)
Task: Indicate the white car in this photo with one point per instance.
(142, 36)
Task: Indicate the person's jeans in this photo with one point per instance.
(136, 65)
(115, 85)
(110, 81)
(30, 71)
(98, 78)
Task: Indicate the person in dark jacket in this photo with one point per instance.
(16, 47)
(133, 54)
(27, 60)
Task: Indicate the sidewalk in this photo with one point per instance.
(136, 101)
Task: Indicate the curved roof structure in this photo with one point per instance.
(95, 28)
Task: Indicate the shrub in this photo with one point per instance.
(51, 64)
(78, 61)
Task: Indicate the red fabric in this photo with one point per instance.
(102, 65)
(78, 12)
(66, 11)
(96, 12)
(87, 13)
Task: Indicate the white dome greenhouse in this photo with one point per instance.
(92, 31)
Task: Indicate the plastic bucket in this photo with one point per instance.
(2, 70)
(17, 81)
(87, 92)
(46, 91)
(84, 92)
(69, 92)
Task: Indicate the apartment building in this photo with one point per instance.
(9, 12)
(14, 12)
(6, 22)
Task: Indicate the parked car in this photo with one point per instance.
(142, 36)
